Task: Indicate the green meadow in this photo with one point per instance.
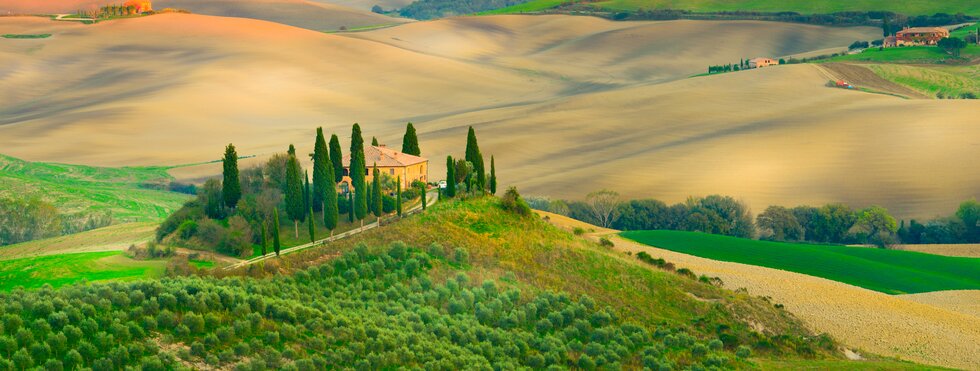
(66, 269)
(88, 189)
(888, 271)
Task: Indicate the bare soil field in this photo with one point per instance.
(112, 238)
(612, 99)
(965, 250)
(963, 301)
(863, 77)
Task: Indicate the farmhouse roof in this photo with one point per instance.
(923, 30)
(385, 157)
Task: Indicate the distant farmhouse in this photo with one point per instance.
(393, 163)
(762, 62)
(140, 5)
(917, 36)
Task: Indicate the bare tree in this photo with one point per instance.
(604, 205)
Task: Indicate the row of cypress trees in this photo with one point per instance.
(303, 198)
(477, 180)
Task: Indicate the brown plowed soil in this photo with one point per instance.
(864, 78)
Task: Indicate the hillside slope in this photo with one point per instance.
(909, 7)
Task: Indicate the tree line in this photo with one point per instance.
(830, 223)
(24, 220)
(431, 9)
(468, 175)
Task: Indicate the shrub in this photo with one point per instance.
(686, 273)
(743, 351)
(578, 231)
(605, 242)
(513, 202)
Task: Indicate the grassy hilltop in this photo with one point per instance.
(801, 6)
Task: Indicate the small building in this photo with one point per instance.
(391, 163)
(920, 36)
(140, 5)
(889, 42)
(762, 62)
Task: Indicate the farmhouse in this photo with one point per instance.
(920, 36)
(762, 62)
(391, 163)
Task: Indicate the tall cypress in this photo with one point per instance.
(307, 193)
(374, 141)
(410, 142)
(422, 188)
(450, 177)
(291, 150)
(336, 158)
(398, 198)
(294, 193)
(321, 164)
(357, 170)
(493, 177)
(265, 241)
(474, 156)
(312, 228)
(330, 206)
(275, 231)
(231, 186)
(350, 206)
(376, 192)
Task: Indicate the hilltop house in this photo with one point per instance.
(393, 163)
(918, 36)
(762, 62)
(140, 5)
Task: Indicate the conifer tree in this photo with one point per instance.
(357, 174)
(291, 150)
(450, 177)
(336, 158)
(493, 177)
(376, 192)
(398, 197)
(231, 186)
(350, 206)
(422, 188)
(474, 156)
(265, 241)
(294, 193)
(275, 231)
(310, 224)
(307, 194)
(321, 164)
(410, 142)
(330, 201)
(374, 141)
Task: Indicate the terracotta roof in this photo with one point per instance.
(923, 29)
(385, 157)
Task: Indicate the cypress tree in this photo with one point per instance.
(493, 177)
(350, 205)
(423, 196)
(337, 158)
(231, 186)
(330, 206)
(398, 198)
(474, 156)
(376, 192)
(410, 142)
(357, 171)
(374, 141)
(265, 241)
(294, 193)
(450, 177)
(275, 231)
(291, 150)
(310, 224)
(307, 194)
(321, 164)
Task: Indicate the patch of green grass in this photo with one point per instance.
(60, 270)
(90, 189)
(962, 32)
(114, 237)
(907, 54)
(909, 7)
(888, 271)
(201, 263)
(931, 81)
(26, 36)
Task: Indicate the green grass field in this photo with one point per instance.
(909, 7)
(950, 81)
(115, 237)
(78, 188)
(60, 270)
(908, 54)
(888, 271)
(26, 36)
